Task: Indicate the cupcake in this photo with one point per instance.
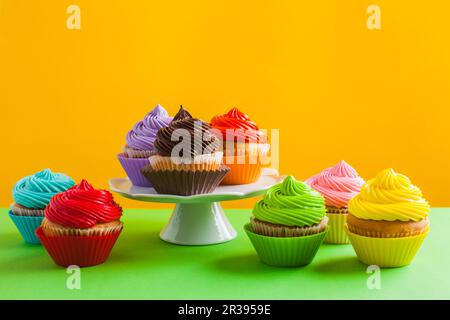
(139, 146)
(81, 226)
(337, 184)
(31, 195)
(188, 159)
(289, 224)
(388, 220)
(244, 146)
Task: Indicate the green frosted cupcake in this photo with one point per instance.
(289, 224)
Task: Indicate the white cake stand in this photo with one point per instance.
(198, 219)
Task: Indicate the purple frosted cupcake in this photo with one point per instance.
(139, 144)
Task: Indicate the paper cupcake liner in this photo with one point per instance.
(202, 162)
(82, 251)
(285, 252)
(27, 226)
(274, 230)
(132, 167)
(185, 183)
(336, 231)
(386, 252)
(242, 169)
(242, 174)
(22, 211)
(53, 230)
(134, 153)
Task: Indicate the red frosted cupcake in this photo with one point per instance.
(81, 226)
(244, 145)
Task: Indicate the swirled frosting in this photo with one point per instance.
(389, 196)
(35, 191)
(338, 184)
(194, 133)
(82, 207)
(236, 125)
(291, 203)
(143, 134)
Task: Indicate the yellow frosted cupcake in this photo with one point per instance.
(388, 220)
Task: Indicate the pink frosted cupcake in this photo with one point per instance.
(337, 184)
(139, 146)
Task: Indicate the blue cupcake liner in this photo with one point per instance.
(27, 226)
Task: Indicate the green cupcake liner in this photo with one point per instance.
(336, 231)
(285, 251)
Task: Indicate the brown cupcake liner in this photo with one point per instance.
(374, 234)
(51, 229)
(275, 230)
(334, 210)
(202, 162)
(134, 153)
(185, 182)
(18, 210)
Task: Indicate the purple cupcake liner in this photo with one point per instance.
(132, 167)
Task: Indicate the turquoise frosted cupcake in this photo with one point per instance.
(31, 195)
(289, 224)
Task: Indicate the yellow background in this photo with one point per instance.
(335, 89)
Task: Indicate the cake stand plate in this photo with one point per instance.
(197, 219)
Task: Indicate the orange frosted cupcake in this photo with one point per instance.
(245, 147)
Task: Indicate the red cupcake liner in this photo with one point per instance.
(82, 251)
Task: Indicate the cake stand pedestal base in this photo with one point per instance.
(198, 224)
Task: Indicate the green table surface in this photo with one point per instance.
(142, 266)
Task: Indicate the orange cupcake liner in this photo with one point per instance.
(245, 168)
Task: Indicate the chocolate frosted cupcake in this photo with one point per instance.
(188, 160)
(139, 144)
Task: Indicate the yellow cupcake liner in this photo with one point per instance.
(386, 252)
(336, 232)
